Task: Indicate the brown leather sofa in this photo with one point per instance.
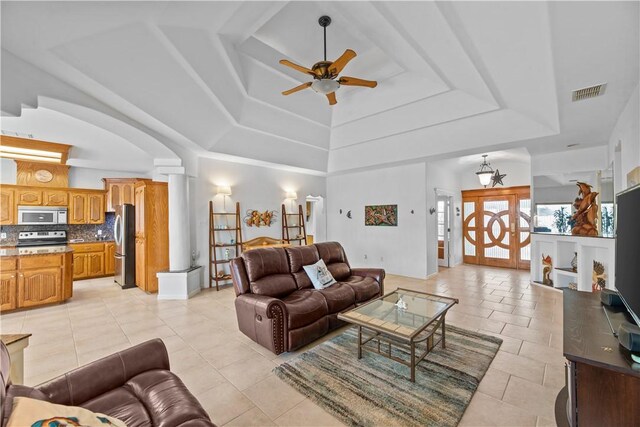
(134, 385)
(278, 307)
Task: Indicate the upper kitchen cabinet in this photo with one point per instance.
(7, 206)
(86, 207)
(34, 196)
(29, 196)
(119, 191)
(55, 198)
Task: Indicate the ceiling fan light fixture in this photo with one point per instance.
(325, 86)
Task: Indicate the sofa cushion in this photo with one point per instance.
(365, 288)
(299, 256)
(268, 271)
(338, 297)
(120, 403)
(304, 307)
(156, 397)
(334, 257)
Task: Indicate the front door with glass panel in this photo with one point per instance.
(496, 227)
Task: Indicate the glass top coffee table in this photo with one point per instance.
(405, 319)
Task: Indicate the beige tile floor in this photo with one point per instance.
(231, 375)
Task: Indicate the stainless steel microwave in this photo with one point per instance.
(41, 215)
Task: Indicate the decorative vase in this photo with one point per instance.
(574, 262)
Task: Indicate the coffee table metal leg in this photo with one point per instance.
(443, 336)
(413, 362)
(359, 342)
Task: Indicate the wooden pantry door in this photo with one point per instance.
(496, 227)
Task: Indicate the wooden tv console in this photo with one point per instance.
(601, 386)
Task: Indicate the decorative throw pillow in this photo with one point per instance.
(319, 274)
(38, 413)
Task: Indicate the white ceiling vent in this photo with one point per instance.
(589, 92)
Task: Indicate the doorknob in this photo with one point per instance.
(513, 228)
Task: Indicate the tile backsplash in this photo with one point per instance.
(74, 231)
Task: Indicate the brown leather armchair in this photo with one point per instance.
(134, 385)
(278, 307)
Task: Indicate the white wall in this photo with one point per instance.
(584, 160)
(626, 135)
(254, 187)
(399, 250)
(78, 177)
(443, 179)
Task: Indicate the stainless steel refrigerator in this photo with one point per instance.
(124, 234)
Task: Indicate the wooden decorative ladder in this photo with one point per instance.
(301, 236)
(218, 229)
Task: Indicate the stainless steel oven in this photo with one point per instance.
(41, 215)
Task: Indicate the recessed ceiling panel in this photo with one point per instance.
(432, 111)
(246, 143)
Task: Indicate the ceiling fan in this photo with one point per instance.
(325, 73)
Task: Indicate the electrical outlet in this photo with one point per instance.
(3, 235)
(381, 259)
(365, 256)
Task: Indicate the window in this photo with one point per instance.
(607, 219)
(553, 218)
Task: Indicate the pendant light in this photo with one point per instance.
(485, 173)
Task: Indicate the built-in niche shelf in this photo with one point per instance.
(562, 249)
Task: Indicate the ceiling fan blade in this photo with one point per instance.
(297, 67)
(341, 62)
(332, 98)
(352, 81)
(297, 88)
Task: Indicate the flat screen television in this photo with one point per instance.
(627, 279)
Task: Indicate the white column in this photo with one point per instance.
(179, 238)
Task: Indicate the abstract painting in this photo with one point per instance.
(381, 215)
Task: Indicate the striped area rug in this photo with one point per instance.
(376, 391)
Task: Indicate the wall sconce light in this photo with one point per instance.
(225, 191)
(432, 210)
(291, 195)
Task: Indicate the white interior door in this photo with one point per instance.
(443, 219)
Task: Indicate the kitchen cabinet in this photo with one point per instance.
(95, 208)
(38, 197)
(152, 233)
(95, 264)
(92, 259)
(7, 206)
(109, 258)
(33, 280)
(8, 282)
(86, 207)
(39, 286)
(55, 198)
(77, 213)
(29, 197)
(80, 266)
(119, 191)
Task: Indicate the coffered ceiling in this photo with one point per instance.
(204, 77)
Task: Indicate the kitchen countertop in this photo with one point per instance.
(92, 241)
(34, 250)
